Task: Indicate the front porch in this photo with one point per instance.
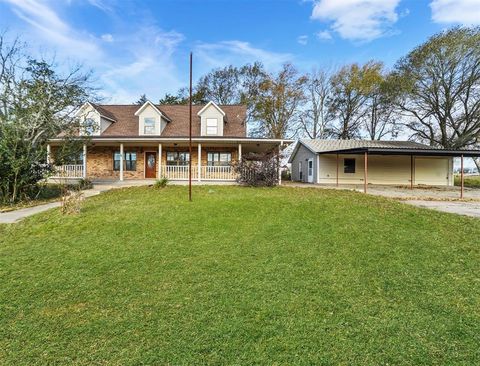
(210, 161)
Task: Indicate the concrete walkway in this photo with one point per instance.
(11, 217)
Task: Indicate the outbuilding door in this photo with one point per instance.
(310, 170)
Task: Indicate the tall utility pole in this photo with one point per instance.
(190, 137)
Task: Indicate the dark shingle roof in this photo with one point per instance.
(127, 123)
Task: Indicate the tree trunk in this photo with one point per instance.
(477, 163)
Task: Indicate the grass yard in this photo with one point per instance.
(241, 276)
(472, 181)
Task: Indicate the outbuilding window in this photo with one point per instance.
(349, 166)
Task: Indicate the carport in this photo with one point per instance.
(411, 152)
(376, 163)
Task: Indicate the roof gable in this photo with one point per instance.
(201, 111)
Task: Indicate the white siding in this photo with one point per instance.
(149, 112)
(211, 112)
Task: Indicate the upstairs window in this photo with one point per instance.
(178, 158)
(129, 161)
(149, 126)
(219, 158)
(212, 126)
(90, 126)
(349, 166)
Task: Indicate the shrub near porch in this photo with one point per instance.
(240, 276)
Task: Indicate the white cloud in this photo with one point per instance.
(107, 37)
(213, 55)
(358, 20)
(324, 35)
(51, 28)
(147, 66)
(465, 12)
(303, 40)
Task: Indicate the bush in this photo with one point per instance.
(161, 183)
(286, 175)
(258, 169)
(71, 202)
(84, 184)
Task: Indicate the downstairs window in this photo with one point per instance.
(129, 161)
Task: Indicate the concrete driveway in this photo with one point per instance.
(456, 207)
(446, 199)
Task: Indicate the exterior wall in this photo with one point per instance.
(150, 112)
(100, 163)
(303, 155)
(388, 169)
(88, 111)
(100, 160)
(211, 112)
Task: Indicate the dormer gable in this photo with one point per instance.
(151, 121)
(212, 120)
(93, 119)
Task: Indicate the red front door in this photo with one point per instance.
(150, 165)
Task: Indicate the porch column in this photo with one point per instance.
(462, 178)
(199, 160)
(121, 161)
(159, 161)
(365, 183)
(48, 154)
(411, 172)
(279, 168)
(337, 170)
(84, 161)
(239, 152)
(318, 168)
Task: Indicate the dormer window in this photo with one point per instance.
(90, 125)
(149, 126)
(212, 126)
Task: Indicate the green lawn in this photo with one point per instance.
(240, 276)
(469, 181)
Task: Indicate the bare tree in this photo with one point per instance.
(314, 120)
(438, 85)
(381, 117)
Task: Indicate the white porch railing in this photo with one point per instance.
(217, 173)
(68, 171)
(180, 172)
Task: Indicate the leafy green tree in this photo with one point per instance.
(36, 104)
(438, 89)
(172, 99)
(142, 100)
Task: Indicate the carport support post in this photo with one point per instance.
(337, 170)
(461, 177)
(411, 171)
(121, 162)
(278, 163)
(366, 173)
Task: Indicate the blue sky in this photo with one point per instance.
(137, 47)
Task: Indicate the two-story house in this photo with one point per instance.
(152, 141)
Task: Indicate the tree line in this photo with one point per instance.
(431, 95)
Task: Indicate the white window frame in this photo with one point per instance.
(211, 126)
(149, 119)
